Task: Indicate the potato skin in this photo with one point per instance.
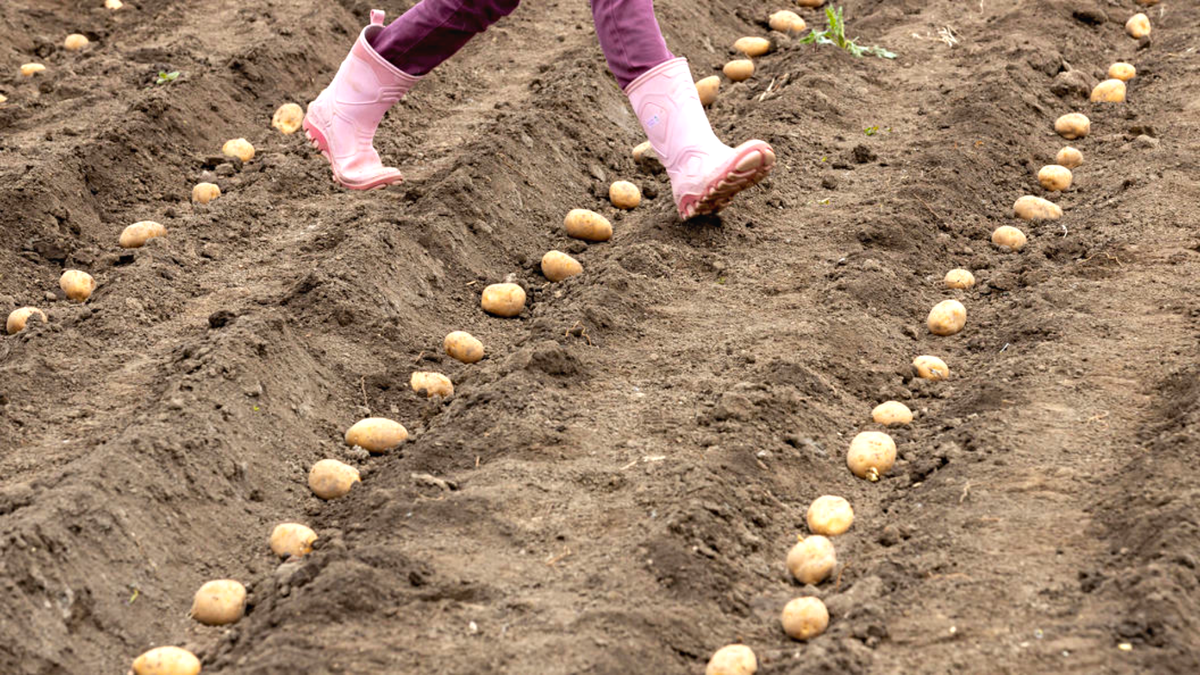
(506, 300)
(376, 434)
(1069, 157)
(871, 455)
(739, 69)
(137, 234)
(959, 278)
(732, 660)
(75, 42)
(77, 285)
(1138, 26)
(463, 346)
(557, 266)
(786, 20)
(1054, 177)
(288, 118)
(434, 384)
(588, 225)
(1033, 208)
(708, 88)
(812, 560)
(624, 195)
(1072, 126)
(640, 150)
(31, 69)
(804, 618)
(947, 318)
(829, 515)
(891, 413)
(238, 147)
(219, 603)
(752, 46)
(166, 661)
(292, 539)
(1122, 71)
(931, 368)
(1109, 91)
(18, 319)
(331, 479)
(204, 193)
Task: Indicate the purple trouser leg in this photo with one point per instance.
(434, 30)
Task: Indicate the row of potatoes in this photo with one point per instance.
(873, 453)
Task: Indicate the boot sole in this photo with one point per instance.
(753, 161)
(317, 140)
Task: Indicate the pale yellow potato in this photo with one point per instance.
(739, 69)
(640, 150)
(1069, 157)
(204, 193)
(292, 539)
(812, 560)
(1033, 208)
(1072, 126)
(75, 42)
(752, 46)
(376, 434)
(1148, 3)
(166, 661)
(708, 88)
(1122, 71)
(947, 318)
(331, 479)
(804, 618)
(624, 195)
(31, 69)
(1009, 237)
(19, 318)
(434, 384)
(1138, 26)
(3, 98)
(288, 118)
(959, 278)
(810, 3)
(219, 603)
(1109, 91)
(732, 660)
(587, 225)
(830, 515)
(891, 413)
(77, 285)
(786, 20)
(137, 234)
(505, 300)
(113, 4)
(871, 454)
(557, 266)
(463, 346)
(1054, 177)
(931, 368)
(238, 147)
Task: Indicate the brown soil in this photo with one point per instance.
(620, 498)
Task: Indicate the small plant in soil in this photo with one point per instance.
(835, 35)
(167, 78)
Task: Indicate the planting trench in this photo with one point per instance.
(621, 479)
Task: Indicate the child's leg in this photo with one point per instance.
(434, 30)
(629, 34)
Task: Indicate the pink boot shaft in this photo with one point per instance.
(705, 173)
(341, 123)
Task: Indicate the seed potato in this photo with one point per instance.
(871, 455)
(830, 515)
(238, 147)
(739, 69)
(75, 42)
(137, 234)
(331, 479)
(1054, 177)
(506, 300)
(1109, 91)
(463, 346)
(288, 118)
(931, 368)
(1072, 126)
(732, 660)
(890, 413)
(434, 384)
(376, 435)
(804, 618)
(31, 69)
(1138, 26)
(588, 225)
(752, 46)
(166, 661)
(204, 193)
(19, 318)
(3, 98)
(77, 285)
(708, 88)
(557, 266)
(810, 3)
(947, 318)
(624, 195)
(219, 603)
(292, 539)
(1032, 208)
(1009, 237)
(786, 20)
(1069, 157)
(113, 4)
(959, 278)
(812, 560)
(640, 150)
(1122, 71)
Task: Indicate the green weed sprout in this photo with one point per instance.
(167, 78)
(835, 34)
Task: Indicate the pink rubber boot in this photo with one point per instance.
(705, 173)
(341, 123)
